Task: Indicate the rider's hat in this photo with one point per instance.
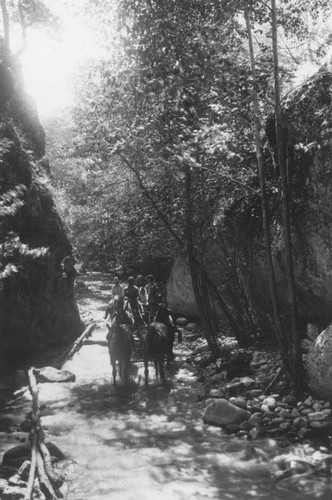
(150, 277)
(131, 279)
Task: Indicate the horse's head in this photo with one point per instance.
(125, 312)
(113, 323)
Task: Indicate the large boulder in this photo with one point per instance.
(237, 260)
(221, 412)
(180, 292)
(319, 365)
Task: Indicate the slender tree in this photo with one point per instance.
(282, 337)
(296, 349)
(6, 29)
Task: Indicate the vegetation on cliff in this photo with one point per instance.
(37, 306)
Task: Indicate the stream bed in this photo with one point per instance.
(136, 442)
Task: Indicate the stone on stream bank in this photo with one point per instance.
(51, 374)
(272, 416)
(221, 412)
(319, 365)
(280, 415)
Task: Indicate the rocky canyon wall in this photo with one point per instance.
(307, 124)
(38, 311)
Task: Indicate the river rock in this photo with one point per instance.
(16, 480)
(240, 402)
(255, 392)
(221, 412)
(247, 381)
(51, 374)
(317, 416)
(231, 428)
(254, 433)
(285, 426)
(233, 386)
(3, 484)
(295, 413)
(18, 454)
(217, 393)
(13, 493)
(285, 413)
(181, 321)
(319, 365)
(300, 422)
(270, 402)
(289, 399)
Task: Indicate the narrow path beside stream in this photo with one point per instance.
(135, 443)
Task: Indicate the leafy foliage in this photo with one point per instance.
(174, 96)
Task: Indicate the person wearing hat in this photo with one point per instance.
(131, 294)
(117, 289)
(142, 295)
(154, 297)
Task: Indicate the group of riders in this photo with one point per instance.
(144, 300)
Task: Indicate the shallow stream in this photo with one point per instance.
(144, 443)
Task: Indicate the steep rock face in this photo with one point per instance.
(319, 365)
(37, 304)
(307, 122)
(307, 116)
(180, 293)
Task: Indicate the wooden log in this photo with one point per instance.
(33, 465)
(45, 484)
(34, 432)
(33, 387)
(78, 343)
(40, 456)
(55, 478)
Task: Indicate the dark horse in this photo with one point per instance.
(164, 316)
(155, 345)
(120, 346)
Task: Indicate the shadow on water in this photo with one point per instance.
(135, 442)
(162, 426)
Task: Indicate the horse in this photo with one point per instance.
(120, 347)
(155, 346)
(122, 307)
(112, 307)
(164, 316)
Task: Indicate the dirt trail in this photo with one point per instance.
(135, 443)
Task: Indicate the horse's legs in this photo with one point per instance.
(170, 355)
(146, 371)
(113, 363)
(161, 368)
(156, 367)
(125, 370)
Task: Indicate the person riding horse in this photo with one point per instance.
(131, 296)
(116, 295)
(117, 289)
(154, 297)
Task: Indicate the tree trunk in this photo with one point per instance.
(23, 25)
(6, 32)
(282, 338)
(296, 350)
(201, 290)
